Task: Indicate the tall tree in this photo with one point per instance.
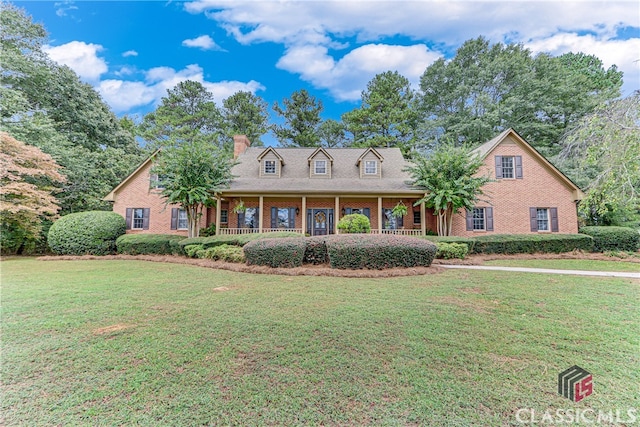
(448, 177)
(245, 114)
(332, 134)
(301, 114)
(387, 116)
(28, 178)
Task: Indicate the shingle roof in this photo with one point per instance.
(345, 175)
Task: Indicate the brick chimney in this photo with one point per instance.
(240, 145)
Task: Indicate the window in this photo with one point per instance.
(478, 219)
(250, 217)
(390, 221)
(320, 167)
(542, 217)
(269, 167)
(282, 218)
(224, 216)
(416, 217)
(370, 167)
(138, 219)
(157, 181)
(507, 167)
(183, 222)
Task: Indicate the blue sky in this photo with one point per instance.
(132, 52)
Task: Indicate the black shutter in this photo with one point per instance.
(274, 217)
(533, 218)
(292, 217)
(489, 217)
(518, 167)
(330, 231)
(469, 220)
(127, 217)
(174, 218)
(554, 219)
(498, 166)
(367, 212)
(241, 220)
(145, 218)
(256, 219)
(400, 222)
(309, 225)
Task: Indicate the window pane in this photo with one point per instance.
(283, 218)
(478, 218)
(507, 167)
(269, 166)
(543, 219)
(321, 167)
(224, 216)
(138, 218)
(416, 217)
(370, 167)
(183, 222)
(390, 220)
(250, 218)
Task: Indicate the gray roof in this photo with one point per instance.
(485, 148)
(345, 174)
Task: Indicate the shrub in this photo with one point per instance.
(315, 251)
(192, 250)
(235, 239)
(282, 252)
(208, 231)
(354, 223)
(140, 244)
(451, 250)
(227, 253)
(469, 241)
(613, 238)
(378, 251)
(86, 233)
(531, 243)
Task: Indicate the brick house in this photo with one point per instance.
(309, 189)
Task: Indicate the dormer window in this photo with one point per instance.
(370, 167)
(320, 167)
(269, 167)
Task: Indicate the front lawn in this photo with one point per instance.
(569, 264)
(132, 342)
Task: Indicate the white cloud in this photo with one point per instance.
(64, 7)
(123, 95)
(81, 57)
(130, 53)
(203, 42)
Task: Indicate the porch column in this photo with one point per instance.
(423, 219)
(218, 213)
(303, 213)
(261, 214)
(379, 215)
(336, 215)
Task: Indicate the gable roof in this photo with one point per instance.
(111, 197)
(271, 150)
(320, 150)
(485, 150)
(367, 151)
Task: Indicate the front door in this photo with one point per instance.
(319, 222)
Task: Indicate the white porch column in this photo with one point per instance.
(218, 213)
(379, 215)
(303, 212)
(261, 214)
(423, 219)
(336, 215)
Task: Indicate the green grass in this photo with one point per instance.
(569, 264)
(129, 342)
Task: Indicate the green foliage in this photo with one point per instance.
(280, 253)
(142, 244)
(469, 241)
(235, 239)
(301, 114)
(228, 253)
(86, 233)
(354, 223)
(451, 250)
(447, 175)
(192, 251)
(316, 250)
(613, 238)
(531, 243)
(378, 251)
(332, 134)
(245, 114)
(208, 231)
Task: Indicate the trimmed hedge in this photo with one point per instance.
(278, 252)
(378, 251)
(315, 250)
(86, 233)
(235, 239)
(228, 253)
(521, 243)
(613, 238)
(192, 251)
(469, 241)
(451, 250)
(142, 244)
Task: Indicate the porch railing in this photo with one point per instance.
(408, 232)
(228, 231)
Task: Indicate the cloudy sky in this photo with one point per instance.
(132, 52)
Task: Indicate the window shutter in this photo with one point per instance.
(274, 217)
(498, 166)
(347, 211)
(241, 220)
(367, 212)
(256, 218)
(400, 222)
(518, 167)
(554, 219)
(292, 217)
(145, 218)
(469, 220)
(489, 217)
(127, 217)
(330, 231)
(309, 219)
(533, 217)
(174, 218)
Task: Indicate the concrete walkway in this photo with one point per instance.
(546, 271)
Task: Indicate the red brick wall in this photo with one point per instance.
(512, 198)
(137, 194)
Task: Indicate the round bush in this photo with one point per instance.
(86, 233)
(284, 252)
(377, 252)
(354, 223)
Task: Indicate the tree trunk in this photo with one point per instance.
(193, 218)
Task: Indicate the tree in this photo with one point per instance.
(387, 116)
(448, 176)
(301, 114)
(27, 182)
(193, 173)
(332, 134)
(245, 114)
(603, 150)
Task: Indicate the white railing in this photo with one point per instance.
(409, 232)
(276, 230)
(228, 231)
